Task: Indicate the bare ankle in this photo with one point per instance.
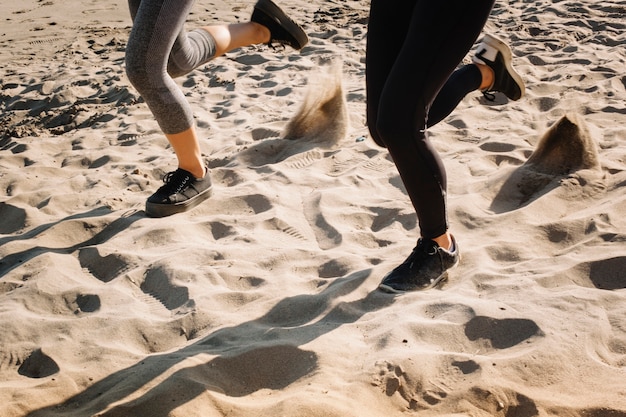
(487, 76)
(195, 170)
(262, 33)
(444, 241)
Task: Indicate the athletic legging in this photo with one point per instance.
(158, 50)
(413, 49)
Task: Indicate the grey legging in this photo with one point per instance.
(159, 50)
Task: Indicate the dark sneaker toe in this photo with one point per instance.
(283, 30)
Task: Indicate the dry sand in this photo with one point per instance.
(262, 301)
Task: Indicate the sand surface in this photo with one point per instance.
(263, 301)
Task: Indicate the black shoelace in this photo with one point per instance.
(175, 181)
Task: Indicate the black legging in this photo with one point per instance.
(413, 49)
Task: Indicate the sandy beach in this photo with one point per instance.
(263, 300)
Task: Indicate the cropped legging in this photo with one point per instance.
(413, 50)
(159, 50)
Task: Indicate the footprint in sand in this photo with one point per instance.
(157, 284)
(6, 287)
(86, 303)
(31, 363)
(326, 235)
(371, 162)
(384, 217)
(12, 219)
(502, 333)
(221, 230)
(466, 366)
(273, 151)
(608, 274)
(334, 268)
(284, 227)
(105, 268)
(392, 379)
(502, 402)
(38, 365)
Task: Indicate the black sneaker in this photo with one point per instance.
(425, 267)
(284, 31)
(181, 192)
(497, 55)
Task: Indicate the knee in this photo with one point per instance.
(377, 138)
(136, 72)
(386, 129)
(199, 48)
(395, 125)
(145, 73)
(372, 126)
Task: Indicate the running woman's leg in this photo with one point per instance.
(157, 25)
(402, 88)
